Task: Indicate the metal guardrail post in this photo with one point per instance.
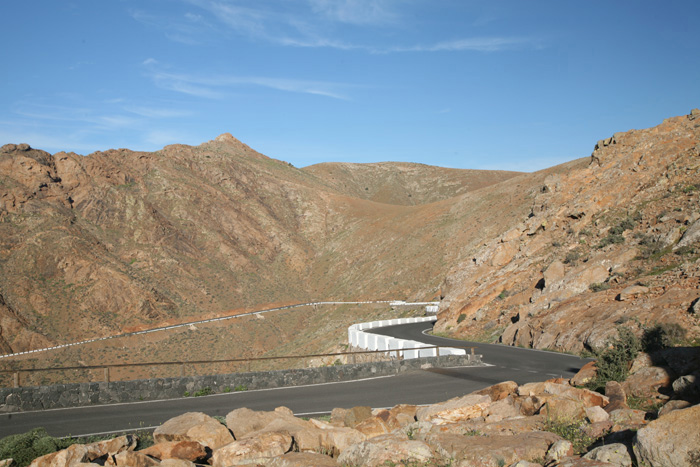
(437, 351)
(106, 374)
(182, 370)
(15, 379)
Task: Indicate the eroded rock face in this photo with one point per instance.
(670, 441)
(590, 238)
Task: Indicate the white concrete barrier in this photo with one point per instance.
(359, 335)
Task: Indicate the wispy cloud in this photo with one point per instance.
(220, 86)
(190, 28)
(316, 24)
(359, 12)
(478, 44)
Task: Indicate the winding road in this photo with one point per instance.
(415, 387)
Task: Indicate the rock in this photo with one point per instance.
(244, 421)
(672, 405)
(386, 449)
(690, 236)
(559, 450)
(313, 435)
(687, 388)
(615, 454)
(404, 414)
(554, 273)
(256, 449)
(77, 453)
(627, 418)
(338, 416)
(642, 360)
(617, 395)
(112, 446)
(379, 424)
(7, 462)
(563, 408)
(454, 410)
(134, 459)
(187, 450)
(176, 463)
(631, 293)
(526, 464)
(581, 462)
(491, 450)
(586, 374)
(598, 429)
(596, 414)
(302, 459)
(357, 414)
(502, 409)
(670, 441)
(648, 381)
(194, 426)
(499, 391)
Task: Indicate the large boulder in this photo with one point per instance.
(454, 410)
(186, 450)
(386, 449)
(616, 395)
(670, 441)
(586, 374)
(615, 454)
(256, 449)
(134, 459)
(194, 426)
(648, 381)
(491, 450)
(499, 391)
(302, 459)
(244, 421)
(77, 453)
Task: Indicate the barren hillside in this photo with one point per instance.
(92, 245)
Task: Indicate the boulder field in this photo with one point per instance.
(550, 423)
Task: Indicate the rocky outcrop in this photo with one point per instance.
(194, 426)
(671, 441)
(604, 245)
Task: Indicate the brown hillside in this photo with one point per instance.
(404, 183)
(92, 245)
(612, 242)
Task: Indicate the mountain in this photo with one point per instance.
(607, 243)
(93, 245)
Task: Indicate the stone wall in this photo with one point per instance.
(83, 394)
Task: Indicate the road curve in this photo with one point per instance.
(415, 387)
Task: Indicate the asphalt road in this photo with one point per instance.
(415, 387)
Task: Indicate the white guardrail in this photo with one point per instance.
(359, 337)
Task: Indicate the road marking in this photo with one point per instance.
(233, 393)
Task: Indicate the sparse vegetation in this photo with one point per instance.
(461, 318)
(614, 361)
(572, 431)
(599, 286)
(240, 387)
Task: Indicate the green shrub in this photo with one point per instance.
(203, 392)
(599, 286)
(25, 447)
(240, 387)
(614, 362)
(461, 318)
(662, 335)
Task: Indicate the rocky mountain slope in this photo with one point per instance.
(612, 242)
(91, 245)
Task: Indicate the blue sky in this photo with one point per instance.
(513, 85)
